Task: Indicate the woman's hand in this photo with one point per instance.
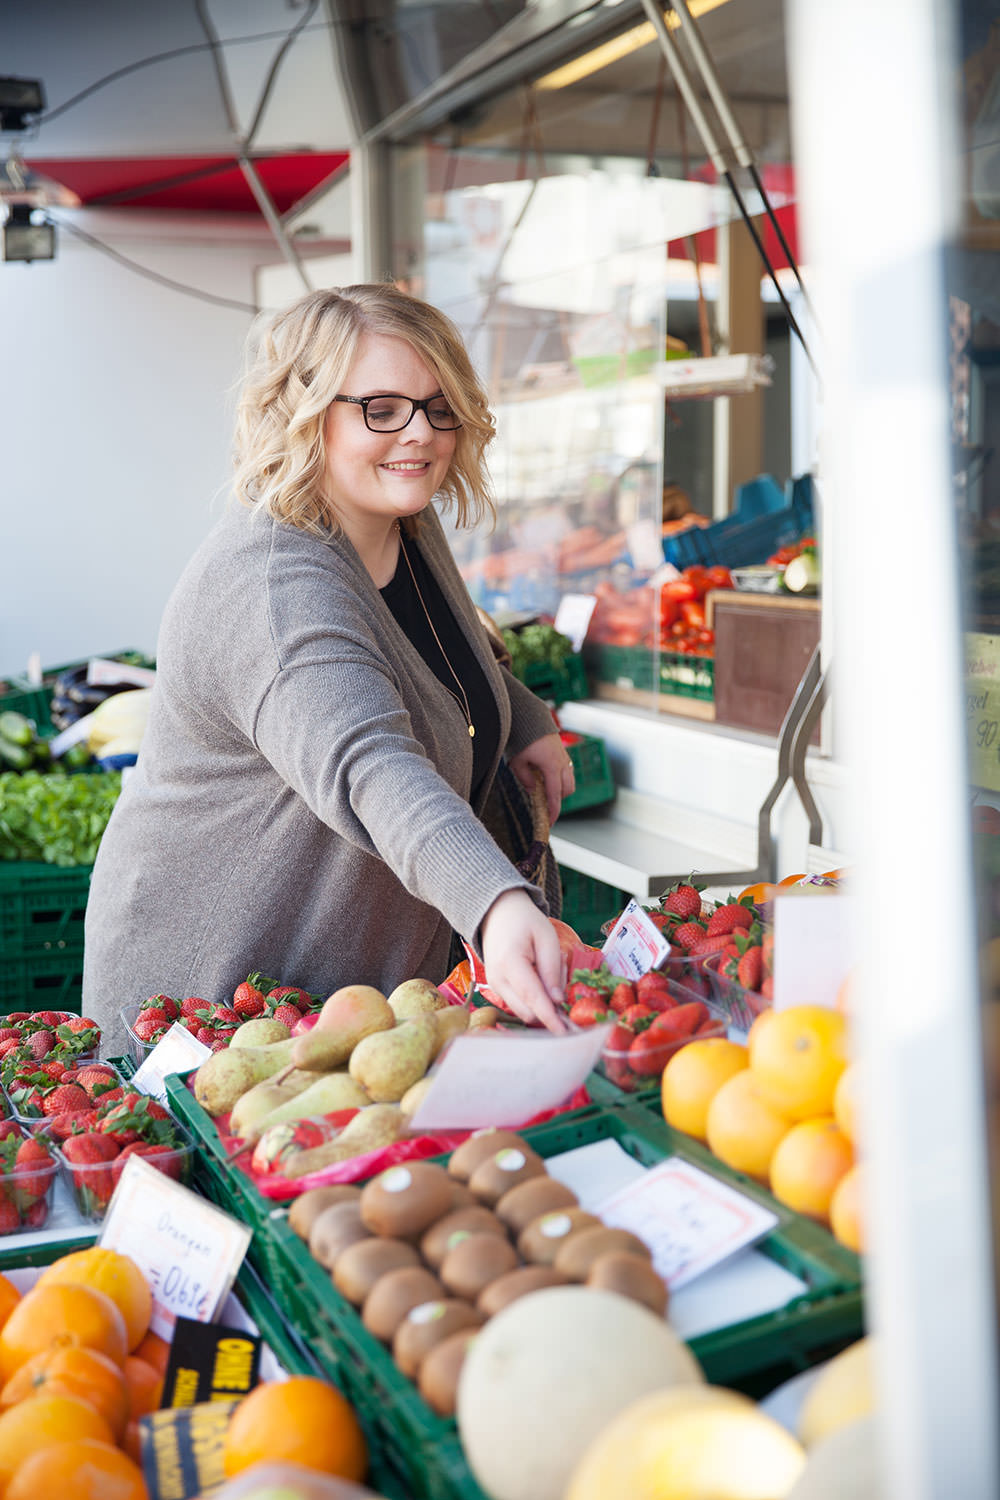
(550, 756)
(522, 959)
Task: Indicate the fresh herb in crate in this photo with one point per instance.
(535, 645)
(55, 818)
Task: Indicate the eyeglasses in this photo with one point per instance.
(393, 413)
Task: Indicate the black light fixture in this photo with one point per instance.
(23, 239)
(20, 100)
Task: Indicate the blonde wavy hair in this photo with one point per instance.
(295, 366)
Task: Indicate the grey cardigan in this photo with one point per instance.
(300, 803)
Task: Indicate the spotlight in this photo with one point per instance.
(20, 99)
(22, 239)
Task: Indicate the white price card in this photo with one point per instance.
(177, 1051)
(635, 944)
(494, 1077)
(101, 673)
(689, 1219)
(572, 617)
(189, 1251)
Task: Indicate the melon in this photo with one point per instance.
(844, 1463)
(547, 1372)
(842, 1391)
(689, 1443)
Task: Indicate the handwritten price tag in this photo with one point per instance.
(188, 1250)
(634, 945)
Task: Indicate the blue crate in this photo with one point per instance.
(743, 539)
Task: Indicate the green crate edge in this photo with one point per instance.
(64, 890)
(24, 684)
(557, 684)
(595, 785)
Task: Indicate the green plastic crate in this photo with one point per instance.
(42, 908)
(588, 903)
(759, 1353)
(43, 981)
(595, 784)
(687, 676)
(625, 666)
(32, 702)
(49, 674)
(557, 684)
(421, 1450)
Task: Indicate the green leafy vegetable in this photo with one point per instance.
(537, 644)
(55, 817)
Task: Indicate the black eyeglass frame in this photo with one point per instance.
(365, 401)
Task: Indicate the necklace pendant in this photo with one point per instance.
(472, 731)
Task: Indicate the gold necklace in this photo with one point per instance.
(462, 702)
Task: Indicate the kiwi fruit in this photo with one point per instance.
(541, 1240)
(394, 1294)
(518, 1283)
(630, 1276)
(474, 1261)
(427, 1325)
(498, 1173)
(357, 1268)
(440, 1368)
(304, 1209)
(438, 1239)
(482, 1143)
(537, 1195)
(579, 1251)
(334, 1229)
(462, 1195)
(405, 1200)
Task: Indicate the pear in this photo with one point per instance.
(415, 997)
(388, 1062)
(226, 1076)
(450, 1021)
(374, 1126)
(483, 1017)
(259, 1032)
(330, 1092)
(414, 1095)
(258, 1102)
(348, 1015)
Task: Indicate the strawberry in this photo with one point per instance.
(588, 1010)
(33, 1166)
(648, 1054)
(663, 920)
(767, 986)
(54, 1069)
(133, 1118)
(49, 1018)
(36, 1214)
(729, 916)
(149, 1027)
(622, 996)
(225, 1015)
(9, 1044)
(9, 1127)
(191, 1004)
(706, 945)
(165, 1158)
(169, 1007)
(687, 934)
(637, 1016)
(684, 900)
(653, 988)
(247, 995)
(81, 1024)
(8, 1032)
(286, 1013)
(96, 1079)
(205, 1034)
(750, 969)
(89, 1148)
(65, 1096)
(10, 1219)
(151, 1015)
(683, 1021)
(290, 992)
(40, 1043)
(579, 989)
(90, 1157)
(70, 1122)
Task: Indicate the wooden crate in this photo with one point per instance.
(763, 643)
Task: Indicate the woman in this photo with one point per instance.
(328, 716)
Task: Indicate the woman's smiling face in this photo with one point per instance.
(374, 478)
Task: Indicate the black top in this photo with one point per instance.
(401, 597)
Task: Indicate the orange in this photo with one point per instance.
(793, 879)
(845, 1101)
(759, 893)
(9, 1298)
(61, 1314)
(797, 1056)
(116, 1275)
(145, 1387)
(154, 1350)
(132, 1442)
(846, 1210)
(300, 1420)
(72, 1370)
(85, 1469)
(40, 1421)
(693, 1076)
(807, 1165)
(743, 1129)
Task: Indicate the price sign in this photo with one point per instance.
(572, 617)
(188, 1250)
(982, 708)
(635, 944)
(177, 1051)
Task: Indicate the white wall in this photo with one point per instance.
(115, 426)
